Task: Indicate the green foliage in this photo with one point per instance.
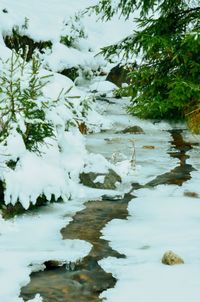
(166, 81)
(123, 91)
(124, 7)
(22, 105)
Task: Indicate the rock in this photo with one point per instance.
(53, 264)
(118, 75)
(106, 181)
(191, 194)
(112, 198)
(133, 129)
(170, 258)
(26, 44)
(148, 147)
(71, 73)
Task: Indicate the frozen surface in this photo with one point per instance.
(148, 151)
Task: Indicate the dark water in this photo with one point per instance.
(181, 172)
(84, 281)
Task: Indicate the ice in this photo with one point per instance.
(145, 163)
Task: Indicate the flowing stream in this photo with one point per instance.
(84, 281)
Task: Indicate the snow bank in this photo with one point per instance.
(160, 219)
(50, 20)
(28, 241)
(54, 172)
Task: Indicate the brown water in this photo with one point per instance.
(181, 173)
(84, 281)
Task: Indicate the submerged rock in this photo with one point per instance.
(148, 147)
(100, 180)
(170, 258)
(133, 129)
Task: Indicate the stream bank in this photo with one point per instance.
(86, 280)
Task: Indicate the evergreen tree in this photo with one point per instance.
(22, 105)
(166, 81)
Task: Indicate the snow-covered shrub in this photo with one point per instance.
(42, 150)
(20, 41)
(74, 55)
(22, 103)
(69, 111)
(73, 31)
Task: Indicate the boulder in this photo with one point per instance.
(191, 194)
(118, 75)
(170, 258)
(133, 129)
(105, 181)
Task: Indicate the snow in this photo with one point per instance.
(99, 179)
(97, 121)
(27, 241)
(63, 57)
(30, 240)
(49, 21)
(37, 298)
(125, 149)
(46, 175)
(45, 19)
(103, 87)
(160, 219)
(58, 83)
(96, 163)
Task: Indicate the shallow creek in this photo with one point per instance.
(84, 281)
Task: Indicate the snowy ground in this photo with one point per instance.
(30, 240)
(161, 219)
(62, 158)
(26, 242)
